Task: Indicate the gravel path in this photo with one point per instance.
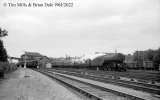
(25, 84)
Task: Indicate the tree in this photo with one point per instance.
(146, 55)
(156, 58)
(150, 54)
(3, 33)
(138, 56)
(3, 53)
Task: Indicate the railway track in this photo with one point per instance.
(141, 76)
(94, 91)
(91, 91)
(150, 88)
(146, 76)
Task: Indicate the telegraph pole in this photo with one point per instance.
(137, 58)
(25, 59)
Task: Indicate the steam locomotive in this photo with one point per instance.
(108, 61)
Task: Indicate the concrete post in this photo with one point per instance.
(25, 60)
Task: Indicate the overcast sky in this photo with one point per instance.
(90, 26)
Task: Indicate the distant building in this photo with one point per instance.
(128, 58)
(31, 58)
(43, 61)
(48, 65)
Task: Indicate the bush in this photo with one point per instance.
(6, 67)
(1, 73)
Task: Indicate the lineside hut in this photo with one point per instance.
(43, 61)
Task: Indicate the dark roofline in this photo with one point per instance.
(33, 54)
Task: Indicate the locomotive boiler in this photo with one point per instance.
(109, 62)
(114, 62)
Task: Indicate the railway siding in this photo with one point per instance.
(151, 88)
(119, 89)
(140, 76)
(87, 89)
